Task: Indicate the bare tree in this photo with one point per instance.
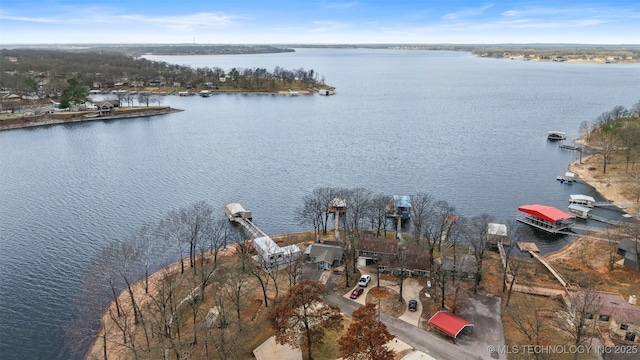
(629, 136)
(634, 184)
(190, 225)
(163, 306)
(514, 234)
(158, 99)
(475, 234)
(607, 143)
(151, 246)
(257, 270)
(220, 234)
(234, 283)
(100, 286)
(580, 314)
(219, 334)
(144, 98)
(585, 130)
(311, 213)
(515, 265)
(359, 202)
(528, 320)
(420, 208)
(380, 204)
(293, 270)
(349, 263)
(440, 224)
(244, 247)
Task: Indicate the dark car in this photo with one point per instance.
(413, 305)
(356, 292)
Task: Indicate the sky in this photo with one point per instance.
(319, 21)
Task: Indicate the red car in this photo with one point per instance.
(356, 292)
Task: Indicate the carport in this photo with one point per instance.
(449, 323)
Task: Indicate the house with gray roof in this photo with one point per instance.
(612, 313)
(325, 256)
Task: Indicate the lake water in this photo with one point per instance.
(468, 130)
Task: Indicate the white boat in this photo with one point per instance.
(293, 93)
(555, 135)
(205, 93)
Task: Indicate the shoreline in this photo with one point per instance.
(96, 346)
(607, 185)
(69, 118)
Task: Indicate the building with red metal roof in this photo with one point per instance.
(545, 217)
(449, 323)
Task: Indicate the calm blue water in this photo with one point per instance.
(467, 130)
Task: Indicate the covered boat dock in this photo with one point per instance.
(579, 211)
(583, 200)
(236, 212)
(545, 218)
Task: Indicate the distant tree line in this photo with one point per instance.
(560, 52)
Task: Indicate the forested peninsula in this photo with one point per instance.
(48, 86)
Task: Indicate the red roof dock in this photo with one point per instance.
(545, 217)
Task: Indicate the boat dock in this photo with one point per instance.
(528, 246)
(401, 208)
(567, 178)
(533, 250)
(553, 271)
(555, 135)
(546, 218)
(569, 147)
(238, 214)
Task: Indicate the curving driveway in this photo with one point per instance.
(484, 312)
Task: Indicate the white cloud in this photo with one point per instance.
(467, 12)
(186, 22)
(29, 19)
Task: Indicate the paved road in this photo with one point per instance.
(420, 339)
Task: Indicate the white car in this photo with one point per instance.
(364, 280)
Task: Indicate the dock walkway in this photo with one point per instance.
(553, 271)
(251, 227)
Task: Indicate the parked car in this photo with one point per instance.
(413, 305)
(364, 280)
(356, 292)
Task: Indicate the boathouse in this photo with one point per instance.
(545, 218)
(236, 211)
(402, 204)
(497, 233)
(579, 211)
(583, 200)
(555, 135)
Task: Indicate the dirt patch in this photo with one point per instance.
(614, 185)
